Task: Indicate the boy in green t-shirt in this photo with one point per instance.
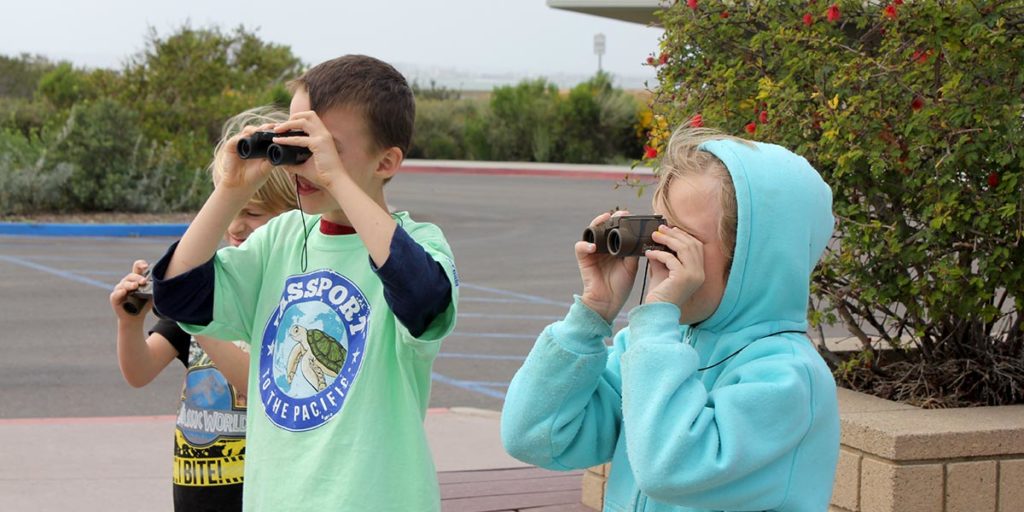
(344, 314)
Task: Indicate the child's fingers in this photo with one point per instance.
(303, 141)
(249, 130)
(584, 249)
(620, 213)
(600, 219)
(292, 125)
(307, 122)
(676, 239)
(139, 266)
(132, 282)
(666, 259)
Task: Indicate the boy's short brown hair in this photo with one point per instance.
(370, 85)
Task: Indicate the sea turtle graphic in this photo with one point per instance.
(317, 353)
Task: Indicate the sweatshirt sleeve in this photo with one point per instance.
(563, 408)
(728, 448)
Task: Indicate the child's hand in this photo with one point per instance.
(247, 175)
(130, 283)
(675, 277)
(607, 280)
(327, 164)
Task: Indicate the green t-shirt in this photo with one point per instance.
(342, 385)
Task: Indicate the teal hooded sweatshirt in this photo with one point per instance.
(737, 412)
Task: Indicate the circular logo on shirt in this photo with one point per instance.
(312, 349)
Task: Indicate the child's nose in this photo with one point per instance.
(237, 227)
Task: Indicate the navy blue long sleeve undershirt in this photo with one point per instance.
(416, 287)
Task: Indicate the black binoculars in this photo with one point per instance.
(626, 235)
(261, 145)
(137, 299)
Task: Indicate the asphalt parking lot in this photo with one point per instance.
(512, 237)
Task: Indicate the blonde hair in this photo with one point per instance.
(682, 158)
(278, 193)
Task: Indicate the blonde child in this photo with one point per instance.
(209, 447)
(713, 397)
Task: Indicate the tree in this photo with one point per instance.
(187, 84)
(912, 112)
(20, 75)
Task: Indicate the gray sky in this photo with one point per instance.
(508, 37)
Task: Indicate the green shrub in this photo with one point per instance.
(97, 159)
(520, 125)
(20, 75)
(912, 111)
(441, 128)
(26, 185)
(24, 115)
(63, 86)
(185, 85)
(596, 123)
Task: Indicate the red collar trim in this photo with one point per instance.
(329, 228)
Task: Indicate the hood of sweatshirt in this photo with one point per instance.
(784, 221)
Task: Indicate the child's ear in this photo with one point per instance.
(389, 163)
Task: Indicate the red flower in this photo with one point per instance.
(662, 59)
(890, 11)
(692, 4)
(697, 121)
(921, 56)
(808, 19)
(993, 179)
(898, 2)
(650, 60)
(832, 13)
(917, 103)
(751, 127)
(650, 152)
(725, 14)
(763, 117)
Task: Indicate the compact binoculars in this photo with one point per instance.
(137, 299)
(626, 235)
(261, 145)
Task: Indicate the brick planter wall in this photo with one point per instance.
(899, 458)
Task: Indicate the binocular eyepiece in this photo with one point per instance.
(261, 145)
(626, 235)
(137, 299)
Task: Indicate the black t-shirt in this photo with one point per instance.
(209, 444)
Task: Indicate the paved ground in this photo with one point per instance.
(69, 423)
(512, 237)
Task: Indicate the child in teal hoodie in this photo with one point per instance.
(713, 397)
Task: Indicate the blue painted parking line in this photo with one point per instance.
(524, 296)
(467, 385)
(57, 272)
(492, 316)
(92, 230)
(499, 335)
(493, 300)
(483, 357)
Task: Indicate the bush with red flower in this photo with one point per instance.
(914, 113)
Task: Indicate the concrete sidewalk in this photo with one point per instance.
(124, 463)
